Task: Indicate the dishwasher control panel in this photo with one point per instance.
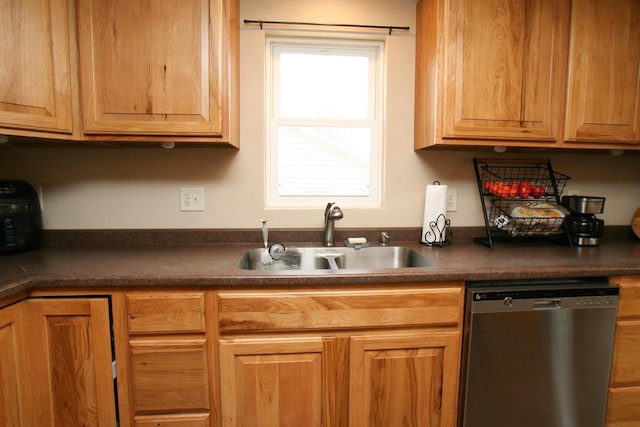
(535, 297)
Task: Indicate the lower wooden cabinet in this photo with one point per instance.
(165, 362)
(404, 379)
(340, 357)
(623, 405)
(347, 356)
(55, 363)
(278, 382)
(12, 405)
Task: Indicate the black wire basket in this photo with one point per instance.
(521, 199)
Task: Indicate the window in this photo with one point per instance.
(324, 122)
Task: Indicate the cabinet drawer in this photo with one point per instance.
(170, 376)
(165, 313)
(181, 420)
(255, 311)
(622, 407)
(626, 353)
(629, 304)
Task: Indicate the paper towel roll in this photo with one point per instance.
(435, 204)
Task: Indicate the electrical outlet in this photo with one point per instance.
(192, 199)
(452, 200)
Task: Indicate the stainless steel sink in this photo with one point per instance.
(321, 258)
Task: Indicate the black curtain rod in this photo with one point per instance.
(385, 27)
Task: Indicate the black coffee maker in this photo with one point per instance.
(584, 228)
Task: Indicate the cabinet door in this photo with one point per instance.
(158, 67)
(504, 69)
(11, 387)
(283, 382)
(603, 102)
(68, 351)
(404, 380)
(35, 86)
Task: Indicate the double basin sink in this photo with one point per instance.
(335, 258)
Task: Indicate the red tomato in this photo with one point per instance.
(497, 189)
(538, 191)
(505, 191)
(524, 190)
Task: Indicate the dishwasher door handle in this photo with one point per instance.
(551, 304)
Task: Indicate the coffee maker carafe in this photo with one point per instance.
(584, 228)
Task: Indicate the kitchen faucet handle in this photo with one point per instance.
(384, 238)
(328, 208)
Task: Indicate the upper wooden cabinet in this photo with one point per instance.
(35, 76)
(120, 70)
(490, 70)
(528, 73)
(159, 68)
(603, 101)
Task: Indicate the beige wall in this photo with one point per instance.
(139, 187)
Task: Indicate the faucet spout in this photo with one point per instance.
(332, 213)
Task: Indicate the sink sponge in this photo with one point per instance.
(356, 242)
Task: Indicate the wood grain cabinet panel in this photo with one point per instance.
(302, 310)
(179, 420)
(35, 76)
(623, 409)
(603, 102)
(166, 367)
(629, 303)
(490, 70)
(623, 404)
(408, 380)
(528, 73)
(341, 357)
(68, 351)
(156, 313)
(11, 370)
(273, 382)
(626, 354)
(170, 376)
(158, 68)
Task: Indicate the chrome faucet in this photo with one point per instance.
(331, 213)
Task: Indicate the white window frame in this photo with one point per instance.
(375, 49)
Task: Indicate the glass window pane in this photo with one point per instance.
(323, 161)
(324, 86)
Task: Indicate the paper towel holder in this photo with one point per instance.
(439, 233)
(436, 232)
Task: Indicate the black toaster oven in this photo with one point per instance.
(20, 217)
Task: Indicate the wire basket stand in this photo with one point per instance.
(502, 187)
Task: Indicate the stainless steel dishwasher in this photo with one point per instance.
(537, 354)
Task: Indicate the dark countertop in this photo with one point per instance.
(214, 265)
